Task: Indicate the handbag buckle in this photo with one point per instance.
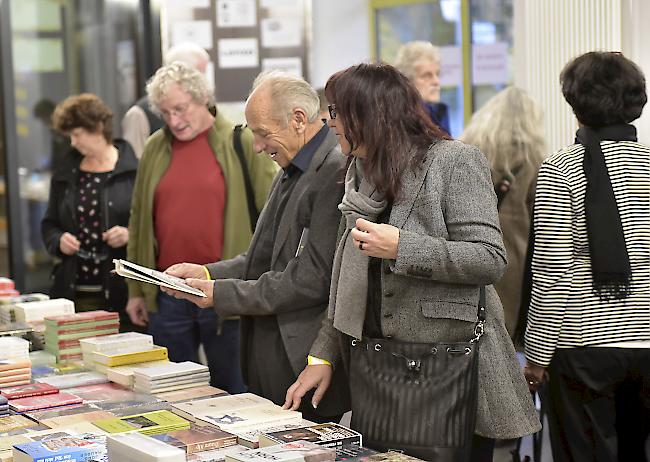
(413, 365)
(479, 329)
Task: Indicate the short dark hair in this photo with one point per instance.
(383, 111)
(85, 111)
(604, 88)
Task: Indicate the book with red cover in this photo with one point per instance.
(82, 317)
(43, 402)
(30, 389)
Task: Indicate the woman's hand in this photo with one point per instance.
(116, 237)
(69, 244)
(376, 240)
(316, 376)
(535, 375)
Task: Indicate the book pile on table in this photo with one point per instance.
(7, 288)
(34, 313)
(15, 371)
(170, 377)
(147, 423)
(64, 332)
(113, 344)
(8, 305)
(33, 396)
(4, 406)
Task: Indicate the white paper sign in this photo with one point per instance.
(451, 66)
(234, 53)
(236, 13)
(199, 32)
(490, 64)
(209, 74)
(291, 65)
(279, 33)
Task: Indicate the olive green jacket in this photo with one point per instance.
(143, 248)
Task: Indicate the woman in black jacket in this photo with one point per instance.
(86, 223)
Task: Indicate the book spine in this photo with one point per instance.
(27, 394)
(210, 445)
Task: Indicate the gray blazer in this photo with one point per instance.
(272, 280)
(449, 245)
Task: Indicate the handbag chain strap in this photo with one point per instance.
(479, 328)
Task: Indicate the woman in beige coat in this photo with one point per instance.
(508, 129)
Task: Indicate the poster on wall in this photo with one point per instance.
(199, 32)
(236, 13)
(238, 53)
(281, 32)
(290, 65)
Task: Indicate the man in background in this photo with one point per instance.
(140, 121)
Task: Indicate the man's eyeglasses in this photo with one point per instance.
(332, 110)
(178, 111)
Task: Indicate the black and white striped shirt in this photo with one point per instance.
(564, 310)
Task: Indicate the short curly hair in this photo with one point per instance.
(178, 73)
(85, 111)
(411, 53)
(604, 88)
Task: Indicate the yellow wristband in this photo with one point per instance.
(207, 273)
(312, 360)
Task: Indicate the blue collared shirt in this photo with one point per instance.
(303, 158)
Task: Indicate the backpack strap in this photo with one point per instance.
(250, 194)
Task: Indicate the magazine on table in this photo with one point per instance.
(140, 273)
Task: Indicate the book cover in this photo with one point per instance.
(136, 401)
(31, 389)
(82, 435)
(103, 392)
(296, 451)
(327, 434)
(219, 404)
(77, 379)
(135, 447)
(250, 417)
(70, 409)
(12, 422)
(42, 402)
(67, 420)
(156, 353)
(390, 456)
(108, 343)
(150, 423)
(198, 439)
(140, 273)
(186, 378)
(170, 370)
(250, 437)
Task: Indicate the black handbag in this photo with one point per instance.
(420, 398)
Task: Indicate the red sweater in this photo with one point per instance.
(189, 205)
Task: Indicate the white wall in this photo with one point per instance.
(636, 19)
(341, 37)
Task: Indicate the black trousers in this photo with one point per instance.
(599, 404)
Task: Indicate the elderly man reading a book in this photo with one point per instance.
(280, 285)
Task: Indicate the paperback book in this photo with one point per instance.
(43, 402)
(31, 389)
(198, 439)
(327, 434)
(140, 273)
(296, 451)
(149, 423)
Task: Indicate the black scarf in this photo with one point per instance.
(610, 264)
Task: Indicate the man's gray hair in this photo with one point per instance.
(188, 53)
(177, 73)
(410, 53)
(287, 92)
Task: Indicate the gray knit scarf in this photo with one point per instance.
(349, 288)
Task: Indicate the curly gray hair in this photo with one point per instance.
(177, 73)
(410, 53)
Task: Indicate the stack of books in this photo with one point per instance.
(124, 374)
(14, 348)
(36, 396)
(8, 305)
(33, 313)
(15, 372)
(63, 333)
(147, 423)
(295, 451)
(7, 288)
(75, 379)
(198, 439)
(170, 377)
(116, 343)
(136, 447)
(4, 406)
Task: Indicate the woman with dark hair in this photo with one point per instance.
(589, 317)
(421, 237)
(86, 222)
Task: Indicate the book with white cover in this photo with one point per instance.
(172, 387)
(130, 270)
(250, 417)
(136, 447)
(192, 409)
(124, 374)
(77, 379)
(36, 311)
(169, 370)
(186, 378)
(115, 343)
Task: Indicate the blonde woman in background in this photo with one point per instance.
(420, 62)
(508, 129)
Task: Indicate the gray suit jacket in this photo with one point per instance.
(271, 280)
(449, 245)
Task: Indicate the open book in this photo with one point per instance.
(140, 273)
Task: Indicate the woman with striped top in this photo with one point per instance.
(588, 328)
